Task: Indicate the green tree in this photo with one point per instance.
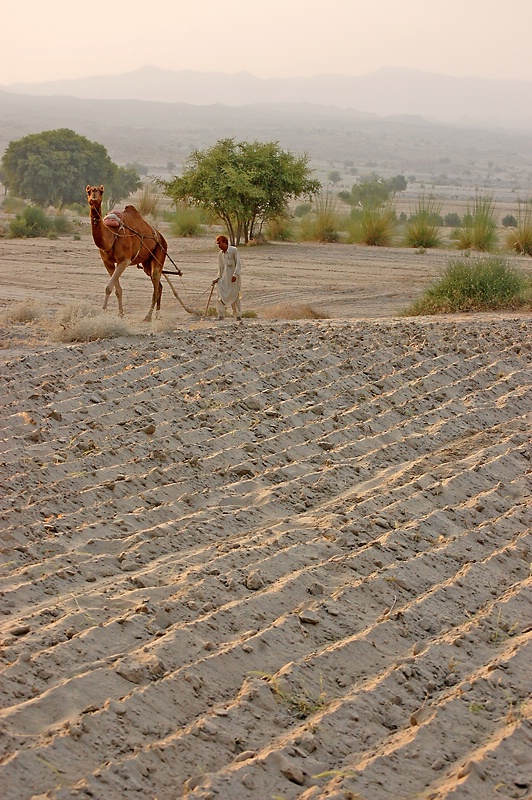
(53, 168)
(375, 192)
(245, 184)
(122, 182)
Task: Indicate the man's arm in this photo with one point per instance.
(238, 264)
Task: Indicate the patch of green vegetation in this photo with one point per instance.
(520, 239)
(479, 227)
(323, 223)
(423, 227)
(486, 283)
(373, 226)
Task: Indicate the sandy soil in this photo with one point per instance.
(282, 559)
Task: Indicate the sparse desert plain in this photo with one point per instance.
(283, 559)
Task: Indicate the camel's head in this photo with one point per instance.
(94, 196)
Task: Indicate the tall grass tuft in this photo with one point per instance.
(322, 223)
(485, 283)
(187, 220)
(374, 225)
(422, 229)
(148, 201)
(520, 239)
(479, 227)
(280, 229)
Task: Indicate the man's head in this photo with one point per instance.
(222, 242)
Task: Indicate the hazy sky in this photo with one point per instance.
(68, 39)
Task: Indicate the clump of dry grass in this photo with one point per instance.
(84, 323)
(323, 223)
(24, 311)
(147, 201)
(287, 311)
(520, 239)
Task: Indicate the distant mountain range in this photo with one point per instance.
(387, 92)
(161, 133)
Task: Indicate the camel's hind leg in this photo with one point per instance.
(154, 269)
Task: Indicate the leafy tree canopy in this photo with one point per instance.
(243, 183)
(53, 168)
(375, 192)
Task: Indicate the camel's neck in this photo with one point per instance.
(100, 233)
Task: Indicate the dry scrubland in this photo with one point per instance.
(286, 559)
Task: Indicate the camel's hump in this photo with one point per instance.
(133, 217)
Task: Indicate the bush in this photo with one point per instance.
(280, 229)
(509, 221)
(187, 220)
(31, 223)
(483, 284)
(147, 202)
(423, 228)
(520, 240)
(61, 224)
(479, 228)
(302, 209)
(452, 220)
(373, 226)
(322, 225)
(13, 205)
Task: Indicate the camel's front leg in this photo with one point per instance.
(114, 283)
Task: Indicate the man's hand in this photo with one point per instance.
(215, 281)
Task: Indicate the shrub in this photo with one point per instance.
(423, 228)
(475, 284)
(61, 224)
(31, 223)
(452, 220)
(479, 228)
(13, 205)
(520, 240)
(148, 201)
(187, 220)
(302, 209)
(509, 221)
(323, 223)
(280, 229)
(374, 226)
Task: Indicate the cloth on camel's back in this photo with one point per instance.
(130, 217)
(113, 219)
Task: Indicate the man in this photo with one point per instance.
(228, 280)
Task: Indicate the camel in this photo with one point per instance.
(134, 241)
